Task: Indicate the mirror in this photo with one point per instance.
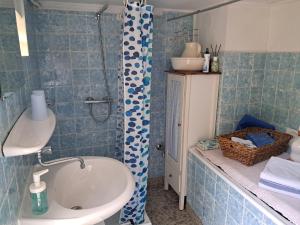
(13, 44)
(21, 27)
(12, 65)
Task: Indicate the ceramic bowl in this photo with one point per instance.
(189, 64)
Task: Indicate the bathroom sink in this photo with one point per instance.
(82, 196)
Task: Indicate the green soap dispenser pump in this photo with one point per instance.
(38, 193)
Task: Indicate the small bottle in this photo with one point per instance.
(206, 61)
(38, 194)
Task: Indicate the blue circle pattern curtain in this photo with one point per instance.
(137, 69)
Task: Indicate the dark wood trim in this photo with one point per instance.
(185, 72)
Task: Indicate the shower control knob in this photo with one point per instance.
(160, 147)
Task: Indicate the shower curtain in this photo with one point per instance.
(137, 68)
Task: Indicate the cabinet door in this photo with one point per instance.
(175, 96)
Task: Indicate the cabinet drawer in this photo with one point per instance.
(173, 177)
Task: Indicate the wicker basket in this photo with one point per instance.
(251, 156)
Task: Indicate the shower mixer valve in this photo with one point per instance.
(91, 100)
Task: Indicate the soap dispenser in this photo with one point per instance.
(295, 148)
(38, 193)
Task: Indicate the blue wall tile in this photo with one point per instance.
(246, 61)
(287, 61)
(229, 79)
(235, 209)
(230, 221)
(231, 60)
(259, 61)
(77, 23)
(22, 76)
(250, 219)
(78, 42)
(79, 60)
(280, 91)
(219, 215)
(267, 87)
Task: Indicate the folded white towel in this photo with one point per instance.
(278, 190)
(282, 172)
(248, 143)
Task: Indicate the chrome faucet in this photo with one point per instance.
(48, 150)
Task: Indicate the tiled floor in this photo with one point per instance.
(162, 207)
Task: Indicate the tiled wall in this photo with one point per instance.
(281, 90)
(265, 85)
(240, 88)
(71, 70)
(68, 52)
(215, 201)
(19, 75)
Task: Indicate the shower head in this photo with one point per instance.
(99, 13)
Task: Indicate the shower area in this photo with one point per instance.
(79, 55)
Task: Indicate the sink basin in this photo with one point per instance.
(82, 196)
(189, 64)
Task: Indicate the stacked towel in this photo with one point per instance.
(248, 143)
(260, 139)
(282, 176)
(208, 144)
(250, 121)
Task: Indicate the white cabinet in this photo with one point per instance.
(190, 116)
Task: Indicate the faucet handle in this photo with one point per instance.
(46, 150)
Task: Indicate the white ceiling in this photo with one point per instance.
(167, 4)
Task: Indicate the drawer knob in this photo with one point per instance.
(170, 175)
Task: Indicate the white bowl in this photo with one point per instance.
(190, 64)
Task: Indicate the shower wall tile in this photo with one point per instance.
(72, 70)
(19, 76)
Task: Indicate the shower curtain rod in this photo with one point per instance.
(204, 10)
(141, 1)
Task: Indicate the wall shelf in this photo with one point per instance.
(29, 136)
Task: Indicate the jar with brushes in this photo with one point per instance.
(215, 64)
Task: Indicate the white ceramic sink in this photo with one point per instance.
(101, 190)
